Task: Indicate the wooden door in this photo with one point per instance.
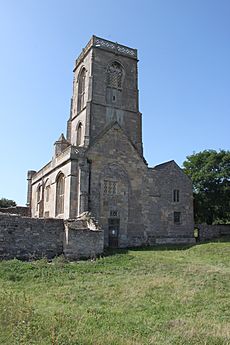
(114, 224)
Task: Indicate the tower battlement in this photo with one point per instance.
(101, 43)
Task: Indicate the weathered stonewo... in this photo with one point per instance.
(83, 238)
(99, 166)
(20, 210)
(209, 232)
(34, 238)
(28, 238)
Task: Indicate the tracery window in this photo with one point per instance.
(114, 75)
(79, 134)
(81, 90)
(60, 193)
(110, 187)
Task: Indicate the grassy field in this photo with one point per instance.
(152, 296)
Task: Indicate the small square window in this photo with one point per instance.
(113, 213)
(177, 217)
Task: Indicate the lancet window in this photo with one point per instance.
(81, 90)
(79, 134)
(60, 193)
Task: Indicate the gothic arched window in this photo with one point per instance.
(39, 196)
(114, 75)
(81, 90)
(79, 134)
(39, 193)
(60, 194)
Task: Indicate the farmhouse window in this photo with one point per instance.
(177, 217)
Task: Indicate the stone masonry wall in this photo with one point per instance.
(20, 210)
(114, 158)
(27, 238)
(209, 232)
(34, 238)
(82, 240)
(160, 206)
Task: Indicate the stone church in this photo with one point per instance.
(99, 165)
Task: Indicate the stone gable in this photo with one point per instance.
(99, 167)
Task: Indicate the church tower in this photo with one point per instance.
(100, 168)
(105, 91)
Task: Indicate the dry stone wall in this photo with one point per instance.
(34, 238)
(82, 240)
(28, 238)
(20, 210)
(210, 232)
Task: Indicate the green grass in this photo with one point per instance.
(134, 297)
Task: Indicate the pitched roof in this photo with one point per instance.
(171, 163)
(164, 165)
(62, 139)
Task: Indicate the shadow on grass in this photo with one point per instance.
(163, 247)
(115, 251)
(119, 251)
(222, 239)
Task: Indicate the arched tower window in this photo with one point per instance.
(60, 194)
(39, 195)
(114, 75)
(40, 201)
(81, 90)
(79, 134)
(114, 81)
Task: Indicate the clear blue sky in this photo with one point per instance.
(184, 75)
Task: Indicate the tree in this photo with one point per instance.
(209, 171)
(7, 203)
